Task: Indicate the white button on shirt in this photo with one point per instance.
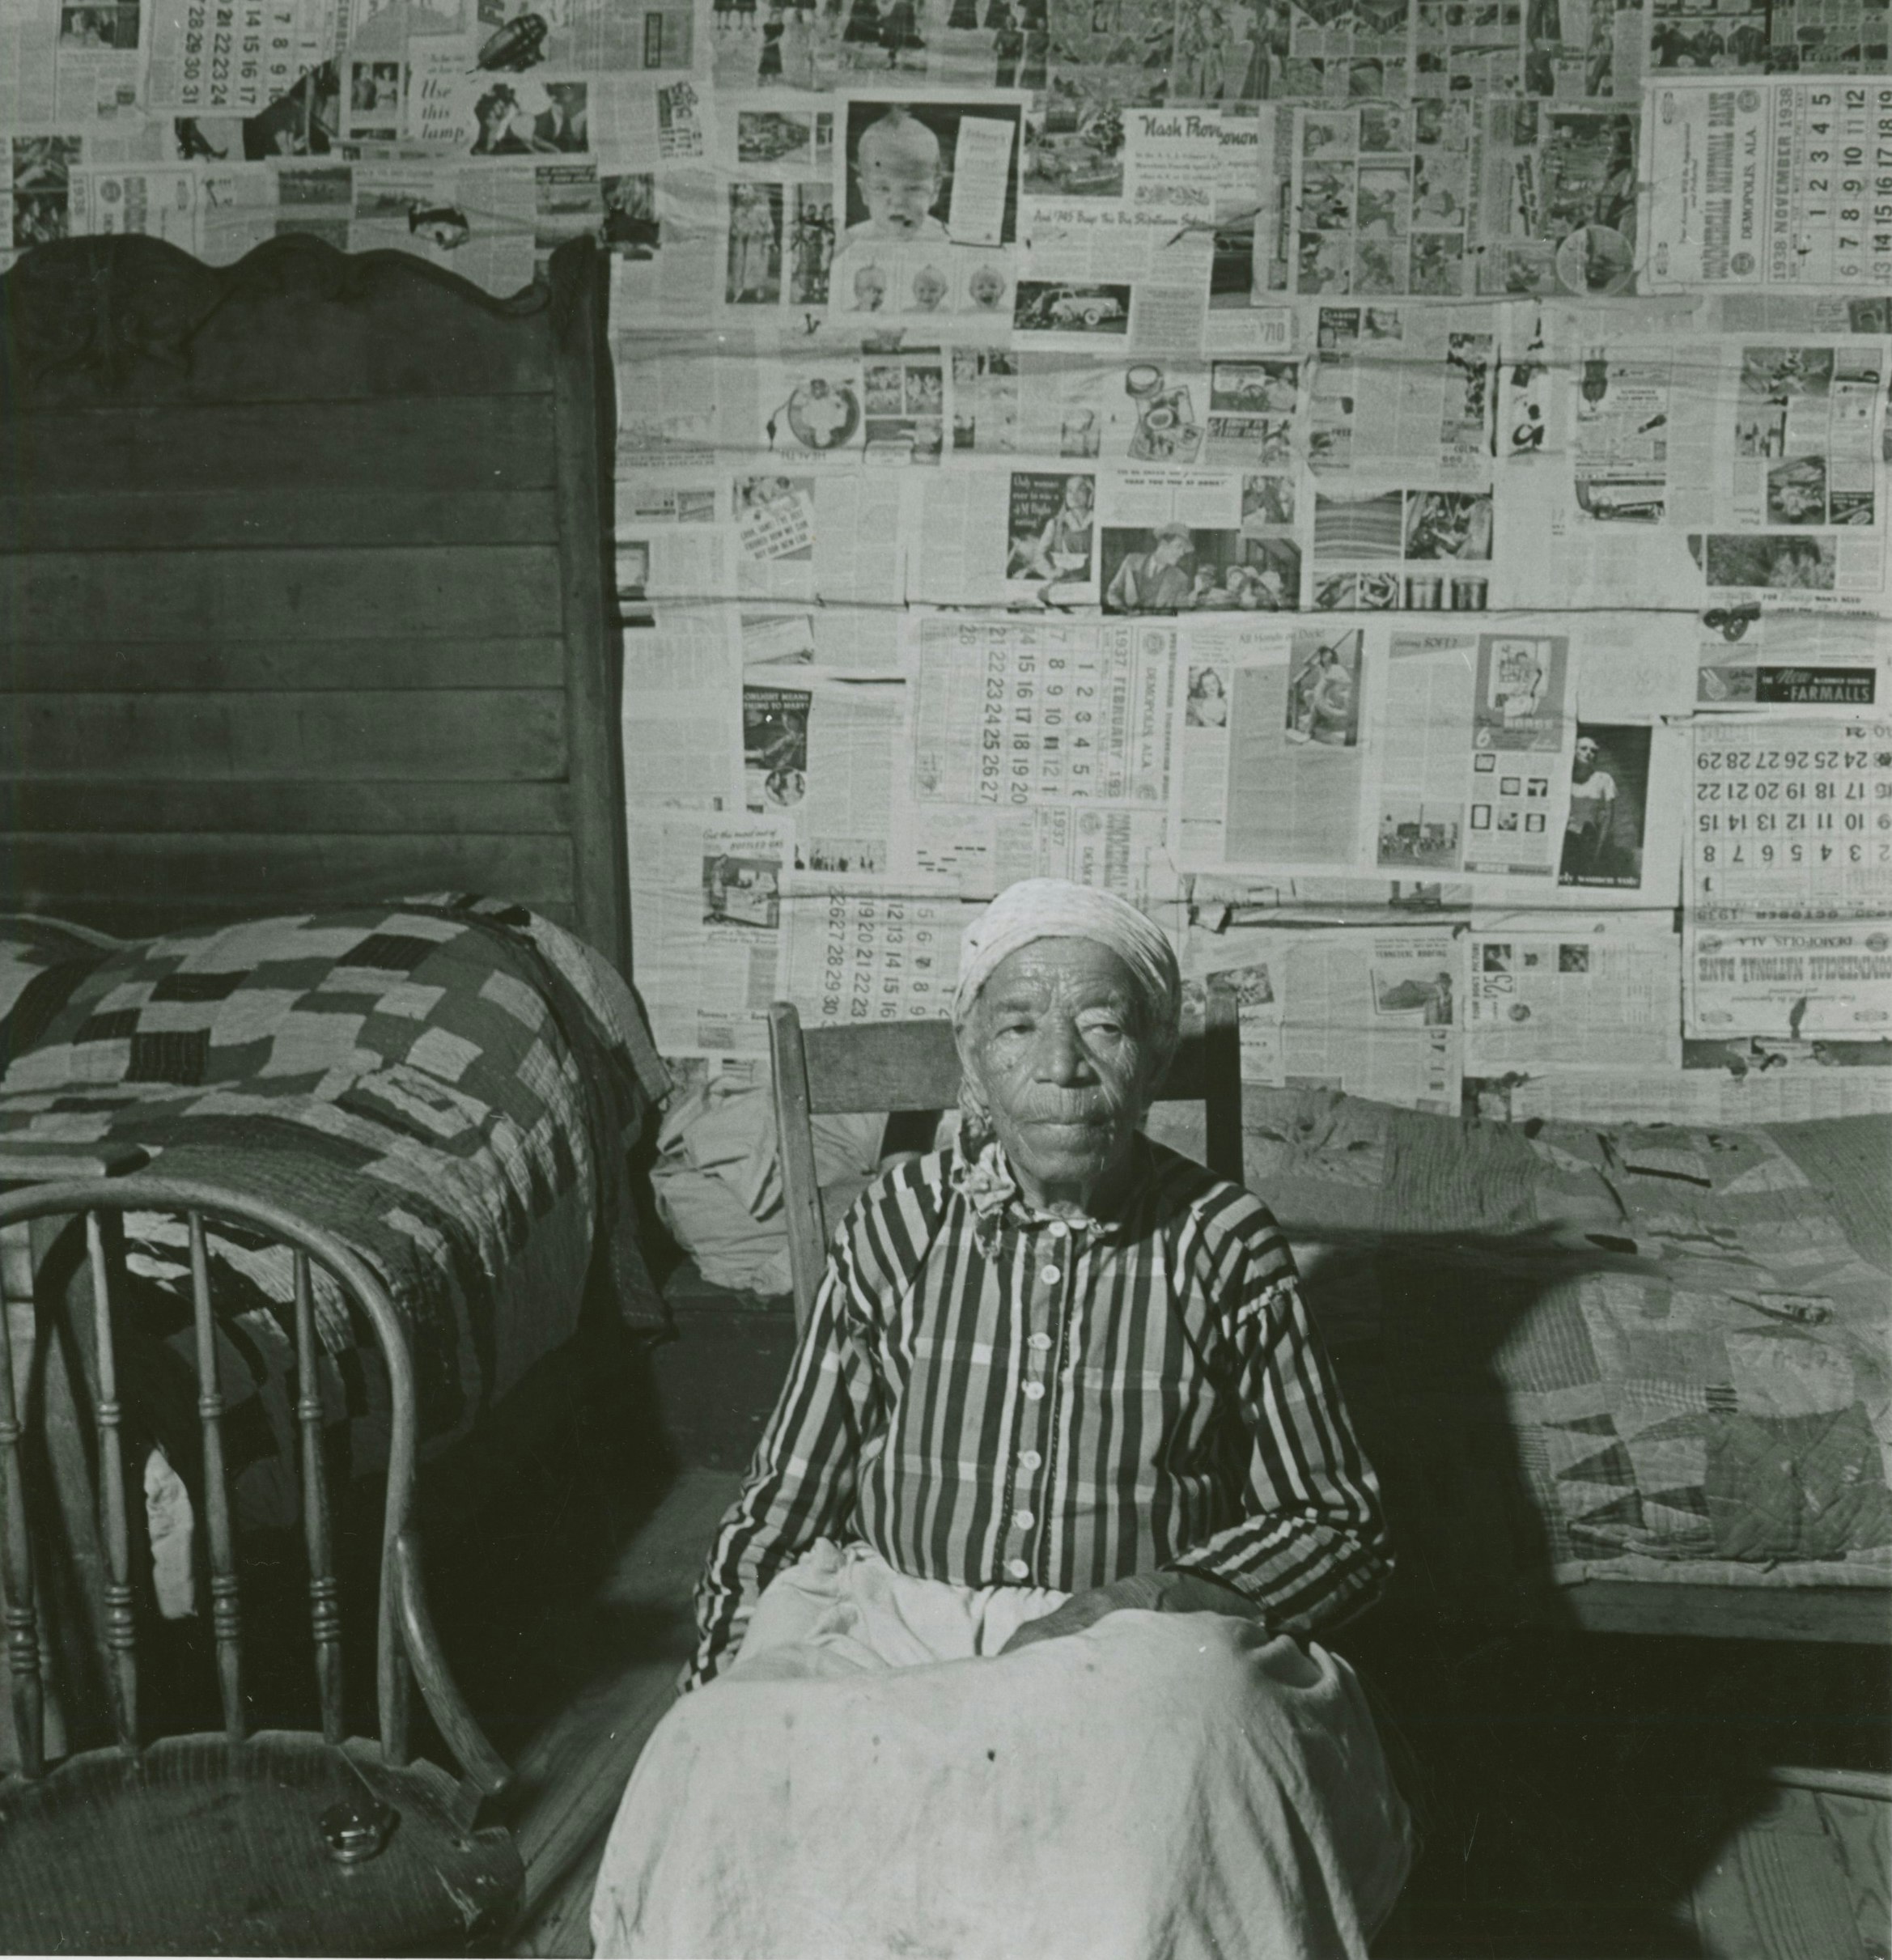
(1058, 1227)
(1050, 1276)
(1034, 1391)
(1025, 1520)
(1030, 1460)
(1018, 1569)
(1040, 1341)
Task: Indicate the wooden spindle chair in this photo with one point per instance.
(275, 1841)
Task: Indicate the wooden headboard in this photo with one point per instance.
(305, 594)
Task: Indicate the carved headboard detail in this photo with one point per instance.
(304, 595)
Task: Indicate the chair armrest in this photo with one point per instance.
(23, 1162)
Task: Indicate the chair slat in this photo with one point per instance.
(324, 1591)
(891, 1065)
(801, 1189)
(120, 1631)
(16, 1573)
(1221, 1072)
(225, 1613)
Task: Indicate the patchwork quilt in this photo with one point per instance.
(1649, 1351)
(450, 1085)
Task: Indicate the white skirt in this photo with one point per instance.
(873, 1778)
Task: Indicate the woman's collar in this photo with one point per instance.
(984, 1177)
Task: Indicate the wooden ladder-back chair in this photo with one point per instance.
(909, 1066)
(274, 1842)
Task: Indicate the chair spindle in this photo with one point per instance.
(121, 1631)
(324, 1591)
(226, 1615)
(16, 1575)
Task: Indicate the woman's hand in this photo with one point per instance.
(1148, 1591)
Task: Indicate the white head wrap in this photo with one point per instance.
(1052, 909)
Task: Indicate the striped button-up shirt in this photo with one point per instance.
(989, 1398)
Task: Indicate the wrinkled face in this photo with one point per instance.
(1056, 1050)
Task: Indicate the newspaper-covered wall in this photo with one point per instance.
(1395, 488)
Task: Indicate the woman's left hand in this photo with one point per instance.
(1147, 1592)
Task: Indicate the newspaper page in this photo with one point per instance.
(1202, 541)
(1397, 389)
(61, 64)
(1475, 742)
(859, 568)
(39, 170)
(682, 713)
(1831, 979)
(833, 541)
(925, 207)
(670, 414)
(707, 898)
(777, 170)
(1779, 181)
(1623, 816)
(1791, 821)
(1580, 994)
(1099, 276)
(822, 754)
(1012, 712)
(1422, 549)
(1765, 454)
(1373, 1014)
(154, 201)
(663, 230)
(1447, 198)
(1607, 418)
(859, 951)
(1271, 764)
(962, 543)
(1251, 963)
(488, 223)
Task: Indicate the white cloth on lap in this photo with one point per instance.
(868, 1779)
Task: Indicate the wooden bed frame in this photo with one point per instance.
(307, 597)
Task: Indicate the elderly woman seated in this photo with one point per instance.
(1007, 1646)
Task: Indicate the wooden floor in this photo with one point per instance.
(572, 1772)
(1806, 1880)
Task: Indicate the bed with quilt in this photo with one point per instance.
(451, 1086)
(1632, 1378)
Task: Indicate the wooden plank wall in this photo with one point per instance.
(303, 593)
